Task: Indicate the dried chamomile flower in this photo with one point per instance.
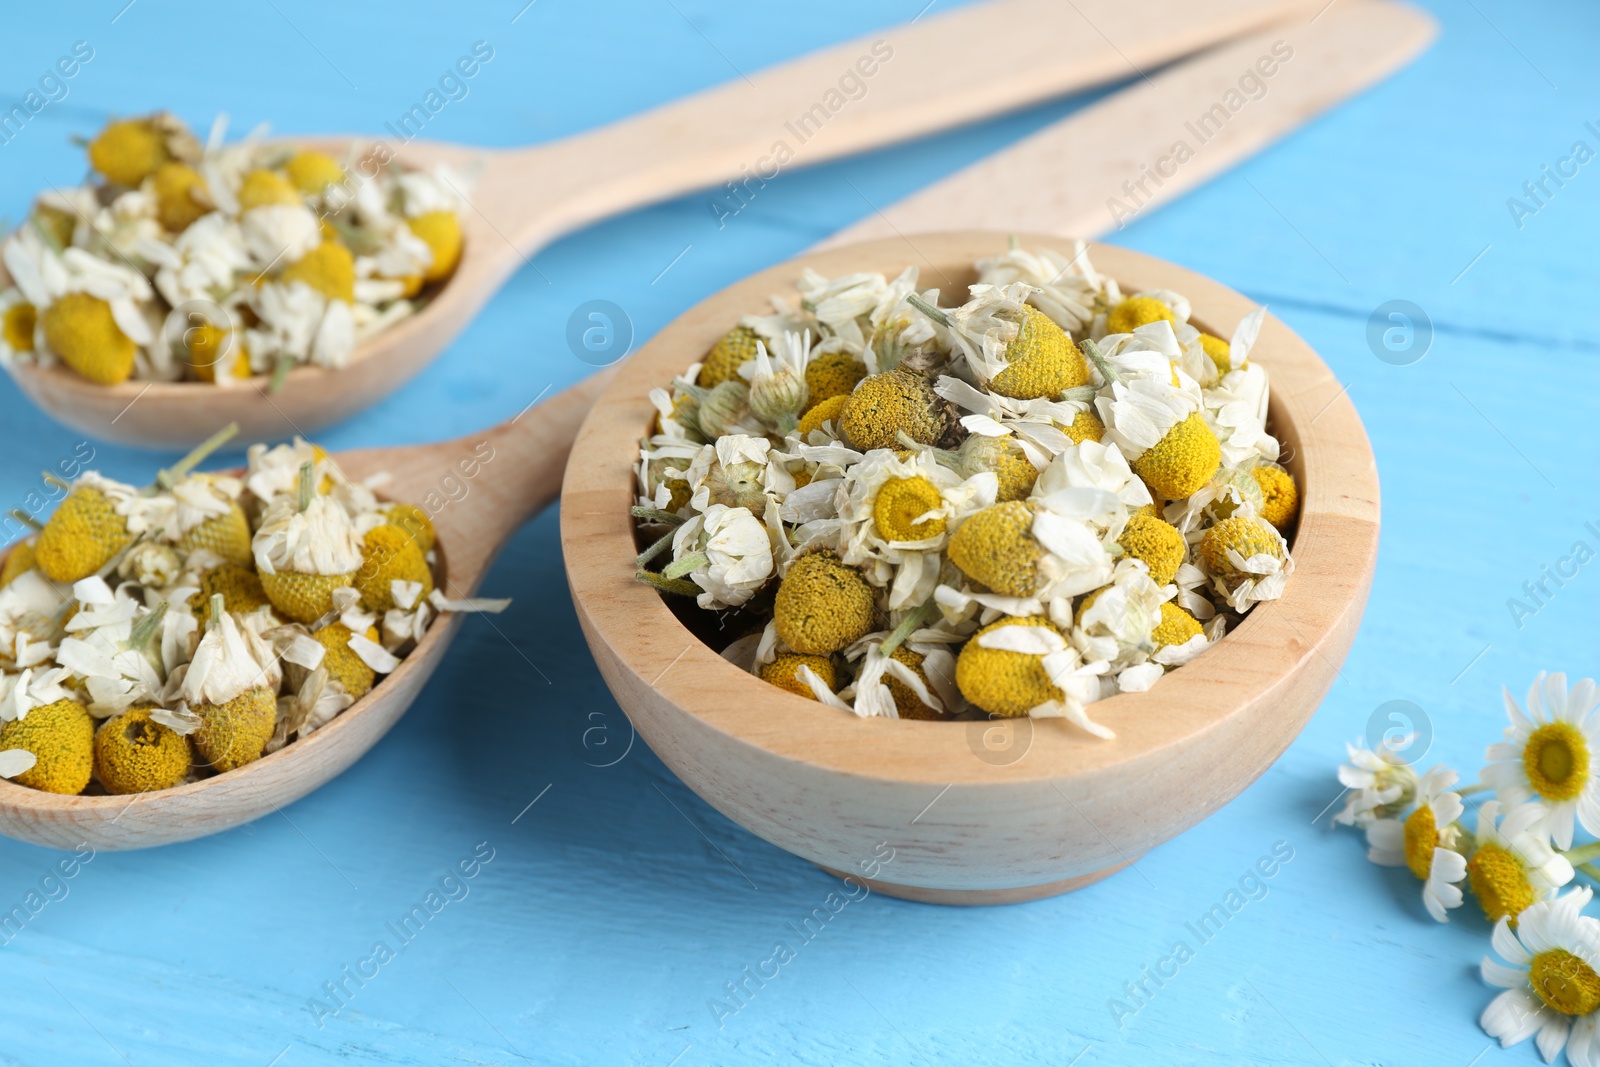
(1012, 348)
(60, 737)
(232, 685)
(305, 549)
(832, 374)
(822, 605)
(884, 406)
(732, 351)
(133, 753)
(389, 554)
(1156, 542)
(784, 672)
(1247, 559)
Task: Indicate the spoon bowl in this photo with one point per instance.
(991, 811)
(475, 503)
(906, 82)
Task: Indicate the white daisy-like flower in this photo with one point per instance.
(1550, 978)
(1426, 842)
(738, 471)
(318, 540)
(1512, 865)
(1379, 782)
(727, 552)
(1549, 755)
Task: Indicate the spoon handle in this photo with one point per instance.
(903, 82)
(1116, 159)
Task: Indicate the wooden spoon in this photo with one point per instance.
(477, 504)
(941, 71)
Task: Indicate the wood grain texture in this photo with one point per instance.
(928, 76)
(520, 475)
(1122, 154)
(1055, 804)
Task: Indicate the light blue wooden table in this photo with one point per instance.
(617, 906)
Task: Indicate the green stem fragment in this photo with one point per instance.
(26, 519)
(143, 631)
(179, 471)
(1583, 853)
(928, 309)
(683, 566)
(1092, 350)
(307, 484)
(1589, 869)
(668, 585)
(52, 480)
(907, 627)
(657, 515)
(218, 606)
(661, 545)
(280, 374)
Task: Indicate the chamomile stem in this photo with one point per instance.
(928, 309)
(656, 515)
(26, 519)
(907, 627)
(661, 545)
(1589, 869)
(669, 585)
(1583, 853)
(146, 628)
(1092, 350)
(1478, 787)
(280, 374)
(683, 566)
(51, 479)
(307, 484)
(175, 474)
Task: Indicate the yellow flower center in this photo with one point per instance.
(901, 501)
(1556, 759)
(1564, 982)
(17, 326)
(1499, 882)
(1422, 837)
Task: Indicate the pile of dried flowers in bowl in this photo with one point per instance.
(1516, 858)
(1018, 506)
(216, 262)
(153, 636)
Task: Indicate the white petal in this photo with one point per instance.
(15, 761)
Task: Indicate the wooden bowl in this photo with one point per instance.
(984, 812)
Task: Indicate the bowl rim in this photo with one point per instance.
(1225, 689)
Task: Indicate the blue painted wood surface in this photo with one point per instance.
(619, 905)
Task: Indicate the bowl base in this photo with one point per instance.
(974, 897)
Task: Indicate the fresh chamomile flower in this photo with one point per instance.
(1379, 783)
(1064, 288)
(1426, 842)
(1512, 866)
(822, 605)
(1549, 755)
(1009, 346)
(727, 552)
(895, 515)
(1550, 978)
